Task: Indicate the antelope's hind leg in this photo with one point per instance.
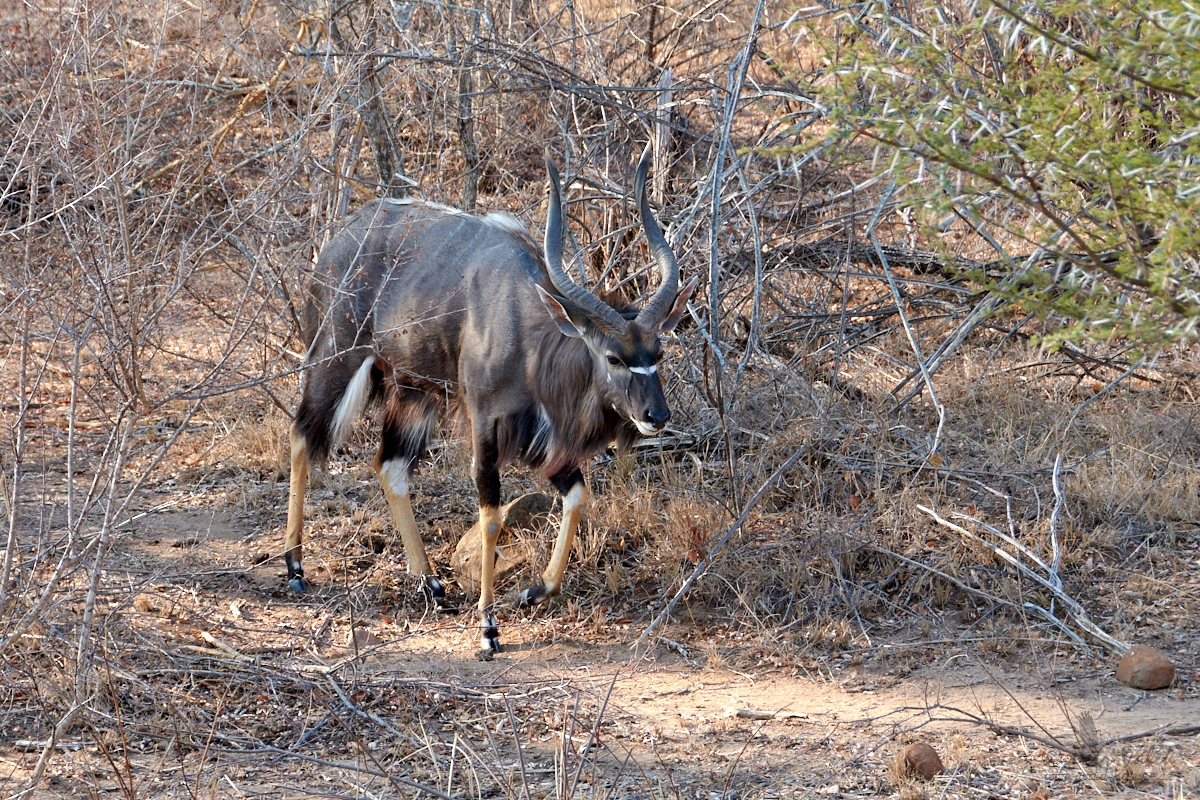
(335, 393)
(292, 547)
(574, 493)
(408, 422)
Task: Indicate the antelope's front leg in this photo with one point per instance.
(487, 481)
(489, 525)
(574, 494)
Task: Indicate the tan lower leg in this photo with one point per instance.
(393, 475)
(489, 526)
(573, 505)
(299, 482)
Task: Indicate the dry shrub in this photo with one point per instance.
(167, 173)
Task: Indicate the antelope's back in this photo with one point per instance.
(418, 281)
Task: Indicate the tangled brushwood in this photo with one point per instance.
(932, 401)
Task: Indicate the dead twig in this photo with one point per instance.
(926, 375)
(367, 715)
(1081, 752)
(704, 563)
(1050, 580)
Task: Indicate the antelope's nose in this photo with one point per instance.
(657, 417)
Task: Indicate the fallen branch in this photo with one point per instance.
(367, 715)
(1089, 747)
(1050, 581)
(753, 713)
(220, 645)
(1162, 730)
(1086, 751)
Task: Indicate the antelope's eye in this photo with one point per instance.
(613, 361)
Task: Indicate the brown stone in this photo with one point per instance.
(918, 758)
(361, 638)
(1145, 668)
(529, 512)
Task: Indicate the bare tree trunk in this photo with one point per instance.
(651, 35)
(466, 120)
(662, 136)
(393, 182)
(390, 163)
(520, 11)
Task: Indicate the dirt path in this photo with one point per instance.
(291, 705)
(834, 731)
(666, 692)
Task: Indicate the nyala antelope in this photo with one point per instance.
(420, 308)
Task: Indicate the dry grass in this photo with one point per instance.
(148, 355)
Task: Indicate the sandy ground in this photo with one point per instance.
(676, 720)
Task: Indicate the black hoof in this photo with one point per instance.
(434, 590)
(297, 584)
(533, 596)
(490, 641)
(435, 593)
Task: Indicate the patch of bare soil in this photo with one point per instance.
(829, 729)
(228, 686)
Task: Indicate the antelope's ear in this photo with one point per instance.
(681, 300)
(559, 314)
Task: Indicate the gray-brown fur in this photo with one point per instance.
(473, 331)
(464, 312)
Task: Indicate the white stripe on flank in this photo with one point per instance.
(644, 370)
(353, 401)
(413, 201)
(497, 219)
(506, 222)
(543, 437)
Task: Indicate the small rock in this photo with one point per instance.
(362, 637)
(918, 758)
(528, 512)
(1145, 668)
